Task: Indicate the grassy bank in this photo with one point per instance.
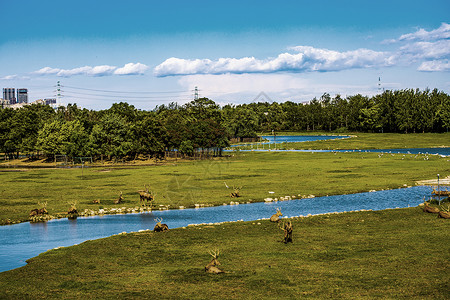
(395, 254)
(186, 183)
(372, 141)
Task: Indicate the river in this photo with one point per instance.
(22, 241)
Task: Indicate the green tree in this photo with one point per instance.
(111, 137)
(148, 136)
(58, 137)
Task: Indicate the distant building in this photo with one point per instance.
(4, 103)
(39, 101)
(10, 95)
(50, 101)
(23, 104)
(22, 95)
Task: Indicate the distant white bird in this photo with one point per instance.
(226, 185)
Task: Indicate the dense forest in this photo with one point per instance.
(123, 131)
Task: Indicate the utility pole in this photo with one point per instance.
(58, 94)
(195, 93)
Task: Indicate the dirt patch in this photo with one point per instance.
(443, 181)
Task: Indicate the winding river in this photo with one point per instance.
(25, 240)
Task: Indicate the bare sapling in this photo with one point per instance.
(146, 197)
(212, 266)
(287, 228)
(120, 199)
(39, 211)
(160, 227)
(276, 217)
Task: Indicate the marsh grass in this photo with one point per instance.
(396, 254)
(186, 183)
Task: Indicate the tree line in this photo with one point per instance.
(122, 131)
(402, 111)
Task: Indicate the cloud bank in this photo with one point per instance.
(431, 49)
(443, 32)
(96, 71)
(306, 59)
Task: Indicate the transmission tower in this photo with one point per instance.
(58, 93)
(380, 89)
(195, 93)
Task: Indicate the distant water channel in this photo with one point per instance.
(22, 241)
(278, 139)
(308, 138)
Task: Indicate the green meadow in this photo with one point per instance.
(394, 254)
(190, 182)
(391, 254)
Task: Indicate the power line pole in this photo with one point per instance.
(196, 93)
(58, 93)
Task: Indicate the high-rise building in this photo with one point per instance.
(9, 94)
(22, 95)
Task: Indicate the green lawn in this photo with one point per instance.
(186, 183)
(393, 254)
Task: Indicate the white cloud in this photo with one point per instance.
(131, 69)
(47, 71)
(104, 70)
(427, 50)
(9, 77)
(73, 72)
(329, 60)
(435, 66)
(443, 32)
(96, 71)
(307, 59)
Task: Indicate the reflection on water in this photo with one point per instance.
(22, 241)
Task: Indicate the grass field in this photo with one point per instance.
(395, 254)
(371, 141)
(391, 254)
(186, 183)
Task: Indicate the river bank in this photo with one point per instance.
(348, 255)
(210, 182)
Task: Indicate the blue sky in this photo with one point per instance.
(150, 53)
